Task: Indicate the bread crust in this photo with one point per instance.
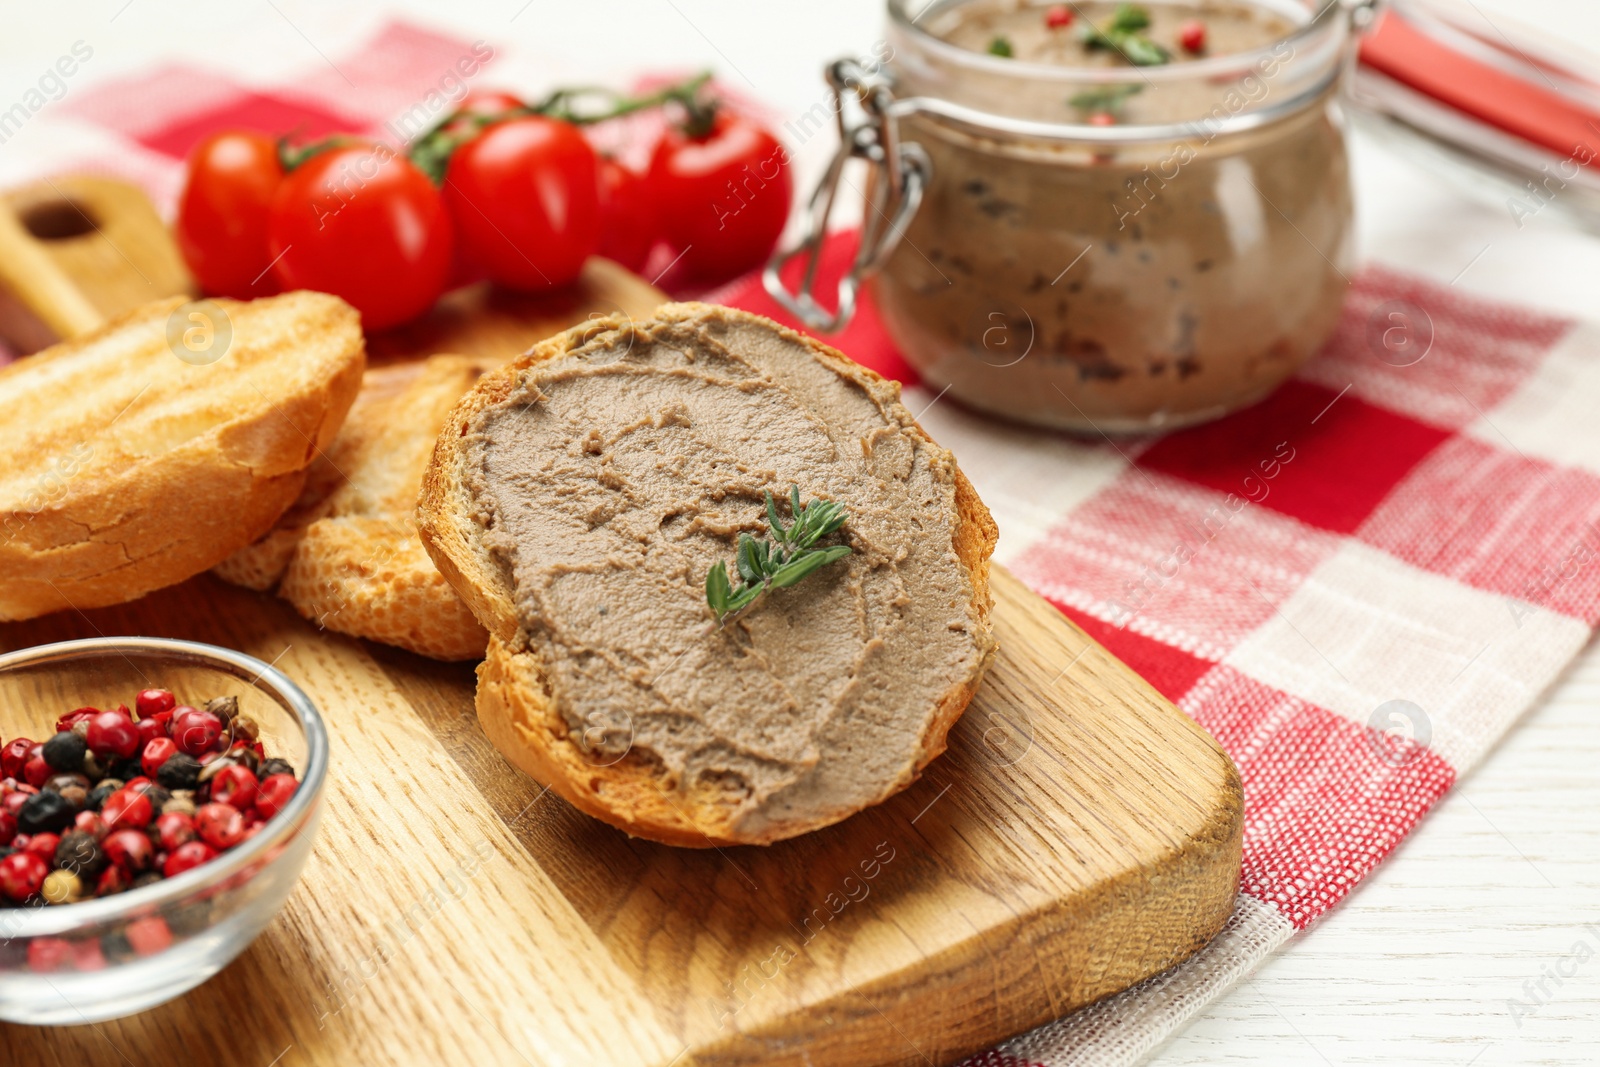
(113, 531)
(347, 554)
(514, 703)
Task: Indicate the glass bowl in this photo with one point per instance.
(126, 953)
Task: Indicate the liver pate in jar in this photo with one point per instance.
(1131, 217)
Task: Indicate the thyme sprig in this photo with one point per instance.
(784, 560)
(1124, 34)
(1107, 100)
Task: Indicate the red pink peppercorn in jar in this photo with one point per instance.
(1109, 219)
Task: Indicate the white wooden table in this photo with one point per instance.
(1422, 964)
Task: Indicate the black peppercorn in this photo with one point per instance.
(98, 795)
(190, 919)
(65, 751)
(147, 878)
(156, 795)
(45, 813)
(181, 771)
(116, 948)
(79, 853)
(127, 769)
(275, 766)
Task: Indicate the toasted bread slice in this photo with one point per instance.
(347, 554)
(127, 468)
(609, 696)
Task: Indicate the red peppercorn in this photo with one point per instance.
(127, 808)
(151, 729)
(46, 954)
(113, 735)
(44, 845)
(8, 828)
(274, 793)
(113, 879)
(235, 785)
(219, 825)
(14, 800)
(21, 875)
(86, 956)
(148, 935)
(20, 842)
(1192, 35)
(129, 849)
(156, 753)
(174, 829)
(36, 770)
(72, 718)
(186, 856)
(154, 701)
(91, 823)
(1102, 118)
(14, 756)
(195, 731)
(1057, 16)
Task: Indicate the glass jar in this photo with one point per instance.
(1160, 270)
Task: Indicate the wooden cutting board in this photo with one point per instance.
(1080, 834)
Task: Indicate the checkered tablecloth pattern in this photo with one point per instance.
(1356, 586)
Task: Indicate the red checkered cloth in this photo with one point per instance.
(1356, 586)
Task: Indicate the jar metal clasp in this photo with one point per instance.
(869, 131)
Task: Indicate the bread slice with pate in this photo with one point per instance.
(150, 449)
(577, 499)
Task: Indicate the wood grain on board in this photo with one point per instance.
(1079, 835)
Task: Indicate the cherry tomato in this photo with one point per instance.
(722, 198)
(628, 226)
(364, 224)
(222, 214)
(525, 198)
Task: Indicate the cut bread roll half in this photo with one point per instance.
(149, 450)
(577, 500)
(346, 555)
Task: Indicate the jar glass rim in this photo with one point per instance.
(1209, 67)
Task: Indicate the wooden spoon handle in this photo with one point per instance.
(38, 281)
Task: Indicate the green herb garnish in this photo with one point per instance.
(1001, 46)
(781, 562)
(1104, 100)
(1124, 35)
(1130, 18)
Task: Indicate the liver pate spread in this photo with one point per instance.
(616, 474)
